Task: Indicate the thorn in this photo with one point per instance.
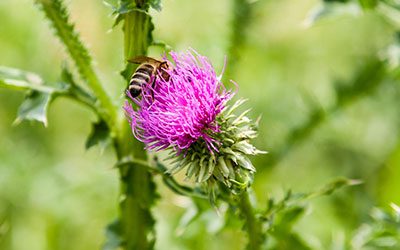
(354, 182)
(122, 197)
(258, 119)
(217, 211)
(17, 121)
(395, 207)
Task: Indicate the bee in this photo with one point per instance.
(147, 72)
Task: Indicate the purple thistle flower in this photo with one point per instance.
(178, 112)
(188, 113)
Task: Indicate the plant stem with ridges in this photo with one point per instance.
(137, 186)
(252, 225)
(58, 16)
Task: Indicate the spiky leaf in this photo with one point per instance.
(332, 9)
(113, 236)
(156, 4)
(38, 96)
(17, 79)
(35, 107)
(100, 135)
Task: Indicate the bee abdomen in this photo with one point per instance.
(140, 76)
(145, 70)
(135, 88)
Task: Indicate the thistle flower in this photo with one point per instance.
(187, 114)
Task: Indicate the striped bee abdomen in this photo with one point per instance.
(142, 75)
(144, 70)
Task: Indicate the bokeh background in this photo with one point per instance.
(54, 194)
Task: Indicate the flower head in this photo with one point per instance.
(177, 112)
(188, 113)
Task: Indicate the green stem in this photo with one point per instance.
(108, 110)
(58, 16)
(137, 186)
(241, 19)
(137, 29)
(137, 193)
(253, 225)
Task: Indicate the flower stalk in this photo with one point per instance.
(137, 187)
(252, 224)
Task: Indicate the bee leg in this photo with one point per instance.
(152, 92)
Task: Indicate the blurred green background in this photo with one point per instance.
(56, 195)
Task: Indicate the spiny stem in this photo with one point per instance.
(57, 14)
(137, 193)
(253, 225)
(137, 186)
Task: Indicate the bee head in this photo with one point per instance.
(164, 67)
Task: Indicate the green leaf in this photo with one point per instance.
(285, 212)
(17, 79)
(113, 236)
(331, 9)
(38, 97)
(284, 236)
(156, 4)
(193, 212)
(383, 232)
(35, 107)
(337, 8)
(161, 44)
(100, 135)
(66, 75)
(126, 6)
(171, 183)
(111, 3)
(289, 217)
(333, 186)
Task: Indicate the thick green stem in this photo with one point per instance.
(253, 225)
(137, 194)
(241, 20)
(137, 186)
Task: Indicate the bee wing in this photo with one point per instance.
(143, 59)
